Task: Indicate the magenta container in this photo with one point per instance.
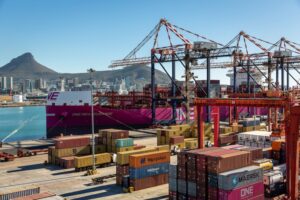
(252, 191)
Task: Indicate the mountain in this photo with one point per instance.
(137, 73)
(26, 67)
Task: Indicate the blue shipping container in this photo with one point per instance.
(126, 142)
(152, 170)
(192, 189)
(240, 177)
(173, 184)
(173, 171)
(182, 186)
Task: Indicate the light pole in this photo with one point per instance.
(91, 71)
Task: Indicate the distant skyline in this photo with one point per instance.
(72, 35)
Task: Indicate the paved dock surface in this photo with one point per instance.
(71, 184)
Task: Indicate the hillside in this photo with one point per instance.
(26, 67)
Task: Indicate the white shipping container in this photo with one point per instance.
(273, 177)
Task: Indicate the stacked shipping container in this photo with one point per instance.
(143, 172)
(215, 173)
(149, 169)
(261, 139)
(108, 137)
(66, 148)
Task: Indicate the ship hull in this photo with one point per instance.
(77, 119)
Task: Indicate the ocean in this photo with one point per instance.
(22, 123)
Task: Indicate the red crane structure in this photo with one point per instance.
(281, 56)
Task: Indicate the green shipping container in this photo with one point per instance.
(126, 142)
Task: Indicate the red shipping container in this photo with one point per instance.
(136, 147)
(119, 178)
(118, 134)
(201, 160)
(182, 172)
(71, 142)
(67, 162)
(176, 139)
(181, 158)
(151, 181)
(122, 169)
(252, 191)
(224, 162)
(172, 195)
(212, 193)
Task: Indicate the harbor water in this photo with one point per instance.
(22, 123)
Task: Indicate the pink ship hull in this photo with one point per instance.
(77, 119)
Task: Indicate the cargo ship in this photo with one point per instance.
(69, 112)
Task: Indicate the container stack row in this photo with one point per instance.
(261, 139)
(142, 168)
(65, 148)
(107, 140)
(182, 136)
(216, 173)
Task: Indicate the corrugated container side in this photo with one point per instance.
(240, 177)
(19, 192)
(172, 195)
(226, 162)
(182, 186)
(173, 171)
(172, 184)
(71, 142)
(176, 139)
(192, 189)
(152, 170)
(123, 157)
(125, 142)
(72, 151)
(150, 158)
(147, 182)
(122, 169)
(86, 161)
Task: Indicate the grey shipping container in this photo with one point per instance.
(172, 184)
(181, 186)
(240, 177)
(192, 189)
(18, 192)
(173, 171)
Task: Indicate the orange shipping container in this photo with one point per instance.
(147, 159)
(276, 145)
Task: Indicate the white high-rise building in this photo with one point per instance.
(4, 83)
(10, 83)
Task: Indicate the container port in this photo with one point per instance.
(201, 143)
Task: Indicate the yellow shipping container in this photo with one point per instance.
(122, 149)
(72, 151)
(191, 144)
(163, 148)
(207, 130)
(123, 157)
(248, 128)
(87, 161)
(101, 148)
(225, 129)
(240, 128)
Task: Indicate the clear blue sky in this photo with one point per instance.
(72, 35)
